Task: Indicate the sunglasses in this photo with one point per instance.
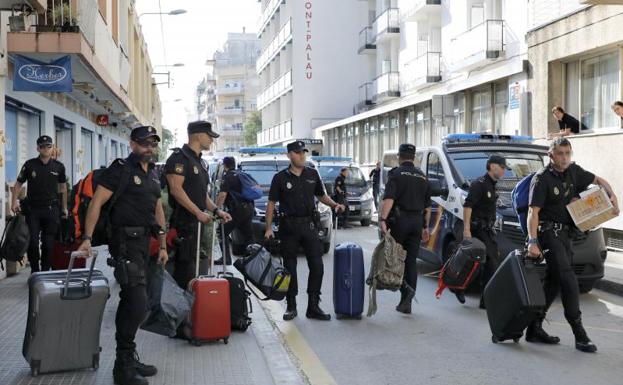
(148, 143)
(45, 146)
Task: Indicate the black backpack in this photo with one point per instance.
(15, 239)
(240, 302)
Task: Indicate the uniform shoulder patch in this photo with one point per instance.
(179, 168)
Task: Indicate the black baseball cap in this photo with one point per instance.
(144, 132)
(43, 140)
(201, 126)
(497, 159)
(407, 149)
(297, 146)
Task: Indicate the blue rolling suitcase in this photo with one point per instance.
(348, 281)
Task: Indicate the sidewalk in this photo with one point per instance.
(254, 357)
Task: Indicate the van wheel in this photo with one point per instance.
(366, 222)
(586, 287)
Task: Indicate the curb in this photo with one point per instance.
(608, 286)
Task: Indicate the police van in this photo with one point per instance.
(462, 158)
(262, 163)
(360, 201)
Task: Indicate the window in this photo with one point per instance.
(434, 168)
(454, 113)
(599, 87)
(481, 110)
(501, 107)
(423, 124)
(87, 152)
(393, 131)
(410, 126)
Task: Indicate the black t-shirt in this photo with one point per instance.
(43, 180)
(482, 198)
(295, 194)
(136, 206)
(375, 174)
(230, 183)
(569, 121)
(552, 191)
(187, 163)
(340, 182)
(408, 187)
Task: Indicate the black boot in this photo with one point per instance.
(482, 303)
(291, 312)
(535, 333)
(406, 296)
(144, 369)
(313, 309)
(124, 372)
(582, 342)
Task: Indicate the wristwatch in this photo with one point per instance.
(163, 248)
(86, 238)
(382, 220)
(533, 241)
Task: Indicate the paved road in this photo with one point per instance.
(444, 342)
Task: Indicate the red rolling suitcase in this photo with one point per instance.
(210, 314)
(61, 256)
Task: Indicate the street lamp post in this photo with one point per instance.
(174, 12)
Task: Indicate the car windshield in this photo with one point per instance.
(472, 165)
(329, 173)
(263, 172)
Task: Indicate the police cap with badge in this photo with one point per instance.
(201, 126)
(297, 146)
(406, 150)
(142, 133)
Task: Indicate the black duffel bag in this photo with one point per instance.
(15, 239)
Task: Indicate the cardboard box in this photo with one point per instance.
(592, 209)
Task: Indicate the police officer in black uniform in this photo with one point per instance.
(241, 211)
(375, 175)
(406, 213)
(188, 178)
(551, 228)
(479, 212)
(45, 197)
(295, 188)
(136, 215)
(340, 192)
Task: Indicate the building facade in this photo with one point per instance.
(113, 89)
(435, 67)
(228, 93)
(309, 68)
(575, 54)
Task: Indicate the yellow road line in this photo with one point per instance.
(308, 361)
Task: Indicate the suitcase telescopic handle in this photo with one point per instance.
(85, 291)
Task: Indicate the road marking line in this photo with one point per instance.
(309, 362)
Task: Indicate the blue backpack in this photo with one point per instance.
(520, 198)
(250, 190)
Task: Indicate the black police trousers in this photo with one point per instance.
(487, 236)
(242, 220)
(560, 276)
(304, 234)
(406, 229)
(342, 218)
(185, 253)
(130, 250)
(42, 222)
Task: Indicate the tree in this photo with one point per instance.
(167, 140)
(252, 127)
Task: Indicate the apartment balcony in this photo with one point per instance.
(100, 70)
(230, 90)
(275, 134)
(367, 41)
(230, 111)
(418, 10)
(267, 15)
(387, 25)
(366, 97)
(477, 46)
(386, 87)
(273, 92)
(274, 48)
(422, 71)
(231, 129)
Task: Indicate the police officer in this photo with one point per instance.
(339, 195)
(375, 175)
(295, 188)
(406, 213)
(241, 211)
(46, 181)
(187, 178)
(551, 228)
(479, 212)
(135, 216)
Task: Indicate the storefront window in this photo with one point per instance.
(481, 110)
(501, 107)
(423, 124)
(599, 88)
(410, 126)
(393, 132)
(64, 144)
(366, 142)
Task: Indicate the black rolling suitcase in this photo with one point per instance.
(514, 297)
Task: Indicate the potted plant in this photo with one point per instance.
(65, 19)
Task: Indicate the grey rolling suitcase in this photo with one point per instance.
(65, 311)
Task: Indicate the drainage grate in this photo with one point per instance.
(614, 239)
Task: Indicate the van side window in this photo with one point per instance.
(434, 168)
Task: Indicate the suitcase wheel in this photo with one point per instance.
(226, 340)
(494, 339)
(34, 367)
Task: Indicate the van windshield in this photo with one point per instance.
(263, 172)
(329, 173)
(472, 165)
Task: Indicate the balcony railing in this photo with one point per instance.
(230, 89)
(366, 96)
(387, 86)
(267, 14)
(281, 131)
(487, 37)
(283, 37)
(275, 90)
(366, 39)
(420, 9)
(231, 127)
(230, 110)
(422, 70)
(387, 23)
